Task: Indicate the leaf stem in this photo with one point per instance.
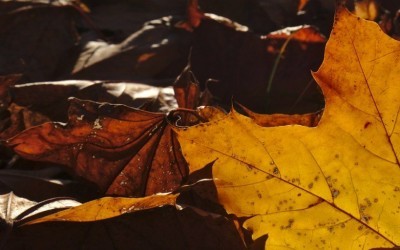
(276, 64)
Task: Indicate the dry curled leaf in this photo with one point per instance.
(266, 120)
(14, 209)
(121, 150)
(331, 186)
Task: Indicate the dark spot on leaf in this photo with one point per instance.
(335, 193)
(366, 125)
(365, 218)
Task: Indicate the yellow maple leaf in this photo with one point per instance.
(334, 186)
(108, 207)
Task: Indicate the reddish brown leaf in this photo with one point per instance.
(189, 96)
(266, 120)
(187, 90)
(122, 151)
(20, 119)
(306, 34)
(29, 108)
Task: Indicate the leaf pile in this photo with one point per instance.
(166, 167)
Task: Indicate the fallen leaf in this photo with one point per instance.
(266, 120)
(318, 13)
(302, 3)
(189, 96)
(331, 186)
(187, 89)
(20, 119)
(122, 19)
(265, 73)
(14, 209)
(108, 207)
(253, 14)
(367, 9)
(163, 46)
(36, 38)
(28, 108)
(121, 150)
(39, 185)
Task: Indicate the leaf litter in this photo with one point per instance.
(330, 192)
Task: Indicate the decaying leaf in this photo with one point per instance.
(336, 185)
(188, 95)
(121, 150)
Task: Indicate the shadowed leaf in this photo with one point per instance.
(157, 228)
(28, 108)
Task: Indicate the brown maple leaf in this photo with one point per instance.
(121, 150)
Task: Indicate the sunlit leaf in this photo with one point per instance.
(336, 185)
(15, 208)
(108, 207)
